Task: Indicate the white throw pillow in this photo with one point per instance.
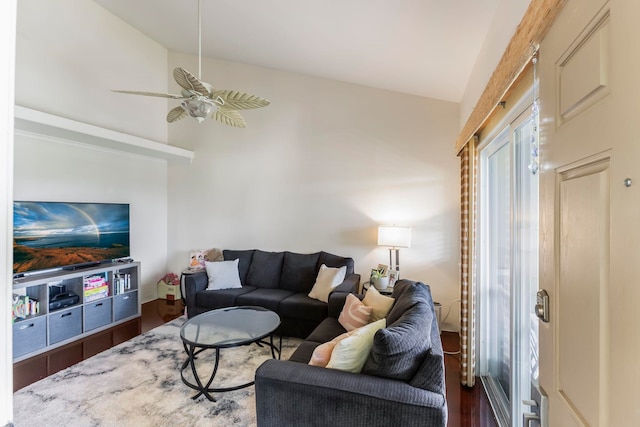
(351, 353)
(328, 278)
(223, 275)
(381, 304)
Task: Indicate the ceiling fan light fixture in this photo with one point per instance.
(200, 99)
(199, 107)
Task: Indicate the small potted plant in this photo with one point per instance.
(378, 279)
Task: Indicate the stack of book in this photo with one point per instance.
(95, 287)
(121, 283)
(24, 306)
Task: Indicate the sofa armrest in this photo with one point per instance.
(194, 283)
(349, 284)
(339, 294)
(290, 393)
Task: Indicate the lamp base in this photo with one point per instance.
(397, 266)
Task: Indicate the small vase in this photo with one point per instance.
(381, 283)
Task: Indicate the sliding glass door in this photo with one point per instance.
(508, 269)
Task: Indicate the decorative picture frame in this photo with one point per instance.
(394, 276)
(197, 259)
(383, 269)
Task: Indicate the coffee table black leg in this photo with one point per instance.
(206, 389)
(274, 349)
(202, 389)
(186, 350)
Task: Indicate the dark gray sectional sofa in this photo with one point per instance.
(278, 281)
(402, 382)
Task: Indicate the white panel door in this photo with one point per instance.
(589, 71)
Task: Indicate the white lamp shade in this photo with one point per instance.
(394, 236)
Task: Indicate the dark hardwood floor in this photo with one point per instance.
(160, 311)
(468, 407)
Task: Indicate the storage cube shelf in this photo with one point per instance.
(107, 295)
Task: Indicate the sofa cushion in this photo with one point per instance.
(336, 261)
(299, 271)
(265, 269)
(220, 298)
(354, 313)
(304, 352)
(245, 258)
(223, 274)
(350, 354)
(267, 298)
(406, 295)
(429, 376)
(328, 279)
(399, 350)
(300, 306)
(327, 330)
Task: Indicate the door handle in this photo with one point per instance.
(539, 409)
(528, 418)
(542, 305)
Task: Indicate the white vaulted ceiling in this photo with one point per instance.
(421, 47)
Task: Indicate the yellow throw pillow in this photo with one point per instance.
(328, 278)
(380, 304)
(350, 353)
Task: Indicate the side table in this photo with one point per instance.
(387, 291)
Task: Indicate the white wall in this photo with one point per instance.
(503, 27)
(7, 53)
(319, 169)
(70, 54)
(47, 170)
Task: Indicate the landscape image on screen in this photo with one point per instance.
(50, 235)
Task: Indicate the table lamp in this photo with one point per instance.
(395, 237)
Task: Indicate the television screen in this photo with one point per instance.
(49, 235)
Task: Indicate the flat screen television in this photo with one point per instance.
(53, 235)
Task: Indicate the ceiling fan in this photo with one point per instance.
(199, 99)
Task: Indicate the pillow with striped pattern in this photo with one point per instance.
(354, 313)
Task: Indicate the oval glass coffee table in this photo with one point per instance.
(225, 328)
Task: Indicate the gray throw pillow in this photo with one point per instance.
(399, 349)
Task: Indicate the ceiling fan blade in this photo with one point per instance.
(229, 117)
(160, 95)
(176, 114)
(189, 82)
(240, 100)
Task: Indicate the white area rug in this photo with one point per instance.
(137, 383)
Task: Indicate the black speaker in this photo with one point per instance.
(62, 300)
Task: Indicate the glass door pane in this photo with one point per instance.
(508, 279)
(495, 286)
(499, 267)
(526, 283)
